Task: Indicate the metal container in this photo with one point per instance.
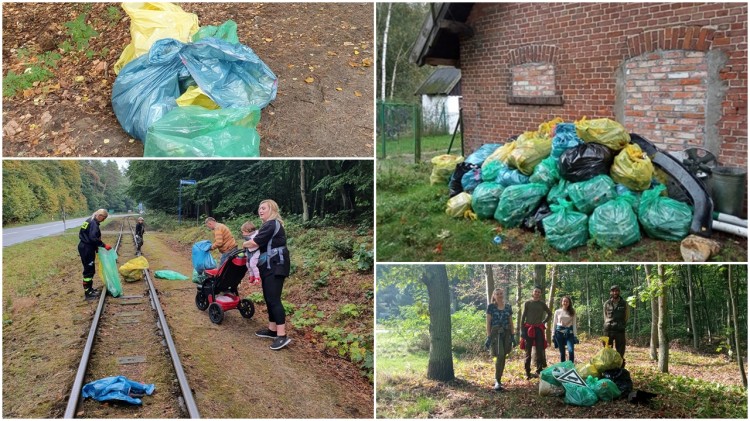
(728, 190)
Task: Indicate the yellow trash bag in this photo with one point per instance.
(587, 369)
(530, 150)
(133, 269)
(501, 154)
(150, 22)
(195, 96)
(606, 359)
(458, 205)
(603, 131)
(546, 129)
(443, 167)
(632, 168)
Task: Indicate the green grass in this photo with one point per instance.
(405, 198)
(403, 148)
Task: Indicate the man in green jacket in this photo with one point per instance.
(535, 315)
(616, 314)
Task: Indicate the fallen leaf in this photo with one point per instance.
(367, 62)
(106, 141)
(353, 64)
(79, 79)
(347, 44)
(267, 39)
(12, 127)
(131, 140)
(331, 53)
(444, 234)
(311, 68)
(356, 53)
(357, 93)
(100, 67)
(46, 117)
(339, 89)
(309, 80)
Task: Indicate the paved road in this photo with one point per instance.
(29, 232)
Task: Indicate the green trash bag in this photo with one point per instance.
(559, 191)
(227, 31)
(588, 195)
(566, 229)
(491, 169)
(606, 359)
(106, 262)
(605, 389)
(518, 202)
(614, 224)
(546, 172)
(579, 395)
(133, 269)
(551, 373)
(170, 275)
(662, 217)
(484, 199)
(458, 205)
(195, 131)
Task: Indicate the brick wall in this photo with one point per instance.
(533, 79)
(591, 44)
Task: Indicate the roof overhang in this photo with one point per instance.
(438, 41)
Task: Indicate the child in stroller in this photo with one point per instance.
(218, 291)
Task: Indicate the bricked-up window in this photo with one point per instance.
(532, 69)
(665, 97)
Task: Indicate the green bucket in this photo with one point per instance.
(728, 190)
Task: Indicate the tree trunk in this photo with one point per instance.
(490, 282)
(540, 272)
(393, 72)
(634, 316)
(551, 301)
(706, 313)
(385, 49)
(691, 306)
(663, 324)
(303, 192)
(440, 364)
(518, 298)
(736, 328)
(654, 342)
(588, 301)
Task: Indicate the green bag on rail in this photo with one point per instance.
(170, 275)
(106, 263)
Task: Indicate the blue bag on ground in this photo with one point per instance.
(587, 195)
(485, 198)
(478, 157)
(107, 266)
(614, 224)
(579, 395)
(230, 74)
(117, 388)
(566, 229)
(518, 202)
(201, 256)
(195, 131)
(663, 217)
(471, 179)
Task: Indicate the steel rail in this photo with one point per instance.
(187, 394)
(75, 393)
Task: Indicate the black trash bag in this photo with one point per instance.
(455, 182)
(585, 161)
(533, 222)
(621, 378)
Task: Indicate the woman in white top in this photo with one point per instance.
(565, 328)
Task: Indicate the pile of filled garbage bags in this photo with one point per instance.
(570, 181)
(605, 379)
(187, 90)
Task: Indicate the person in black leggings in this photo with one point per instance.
(273, 265)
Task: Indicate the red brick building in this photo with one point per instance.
(675, 73)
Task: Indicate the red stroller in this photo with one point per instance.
(218, 292)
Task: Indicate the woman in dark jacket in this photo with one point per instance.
(273, 265)
(90, 240)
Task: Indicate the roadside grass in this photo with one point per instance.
(405, 198)
(403, 391)
(403, 148)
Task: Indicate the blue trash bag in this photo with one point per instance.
(471, 179)
(194, 131)
(478, 157)
(507, 177)
(202, 258)
(565, 138)
(117, 388)
(231, 75)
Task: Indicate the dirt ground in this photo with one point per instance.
(232, 372)
(322, 54)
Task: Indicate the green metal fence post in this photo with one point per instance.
(417, 134)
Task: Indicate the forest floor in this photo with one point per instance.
(406, 198)
(232, 372)
(322, 54)
(698, 385)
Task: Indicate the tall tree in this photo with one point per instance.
(663, 323)
(691, 306)
(519, 302)
(490, 282)
(440, 364)
(385, 51)
(551, 300)
(303, 192)
(736, 328)
(654, 341)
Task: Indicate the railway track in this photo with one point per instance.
(129, 336)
